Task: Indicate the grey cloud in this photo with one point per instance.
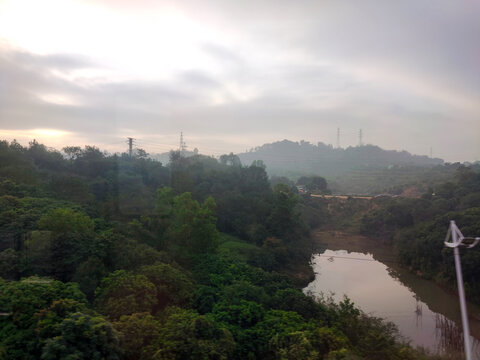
(437, 40)
(141, 93)
(197, 78)
(139, 104)
(223, 54)
(434, 39)
(23, 77)
(57, 61)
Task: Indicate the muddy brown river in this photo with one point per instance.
(358, 267)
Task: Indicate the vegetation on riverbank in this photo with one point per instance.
(417, 228)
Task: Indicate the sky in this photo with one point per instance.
(232, 75)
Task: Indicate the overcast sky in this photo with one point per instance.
(236, 74)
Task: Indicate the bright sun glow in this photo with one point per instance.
(30, 134)
(160, 42)
(49, 132)
(51, 137)
(59, 99)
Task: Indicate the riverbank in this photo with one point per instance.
(340, 239)
(300, 274)
(438, 299)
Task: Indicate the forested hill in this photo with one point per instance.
(295, 158)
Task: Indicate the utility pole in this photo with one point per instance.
(457, 240)
(338, 138)
(360, 138)
(130, 146)
(431, 153)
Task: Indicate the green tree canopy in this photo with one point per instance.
(65, 220)
(24, 331)
(83, 337)
(193, 226)
(123, 293)
(189, 335)
(138, 334)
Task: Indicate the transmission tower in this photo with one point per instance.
(360, 137)
(183, 145)
(338, 138)
(130, 146)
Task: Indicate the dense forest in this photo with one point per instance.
(116, 257)
(417, 226)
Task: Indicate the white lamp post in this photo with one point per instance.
(457, 240)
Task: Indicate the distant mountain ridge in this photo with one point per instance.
(293, 158)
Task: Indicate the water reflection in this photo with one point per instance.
(380, 290)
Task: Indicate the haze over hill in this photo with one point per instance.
(366, 169)
(293, 158)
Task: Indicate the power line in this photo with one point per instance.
(155, 143)
(160, 147)
(168, 147)
(353, 258)
(115, 142)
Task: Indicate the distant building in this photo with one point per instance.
(301, 189)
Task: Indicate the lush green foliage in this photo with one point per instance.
(82, 336)
(43, 318)
(133, 261)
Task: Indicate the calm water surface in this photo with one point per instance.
(424, 313)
